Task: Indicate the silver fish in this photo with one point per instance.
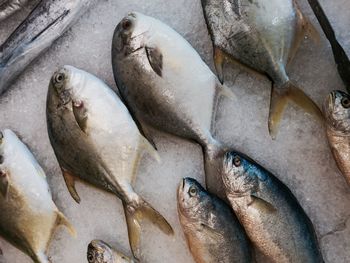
(9, 7)
(101, 252)
(46, 23)
(95, 139)
(212, 230)
(337, 112)
(166, 84)
(262, 35)
(271, 215)
(28, 216)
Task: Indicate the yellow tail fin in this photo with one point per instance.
(134, 217)
(280, 96)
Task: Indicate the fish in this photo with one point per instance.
(337, 114)
(95, 139)
(166, 85)
(271, 215)
(100, 252)
(45, 24)
(213, 232)
(262, 36)
(29, 217)
(9, 7)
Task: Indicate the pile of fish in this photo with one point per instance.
(245, 213)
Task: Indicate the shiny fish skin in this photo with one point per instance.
(166, 85)
(28, 216)
(263, 35)
(46, 23)
(95, 139)
(101, 252)
(212, 231)
(272, 217)
(9, 7)
(337, 112)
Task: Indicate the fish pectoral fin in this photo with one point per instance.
(80, 114)
(4, 184)
(62, 220)
(70, 183)
(149, 148)
(262, 205)
(279, 100)
(211, 233)
(134, 217)
(155, 58)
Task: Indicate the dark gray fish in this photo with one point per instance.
(212, 230)
(101, 252)
(271, 215)
(167, 85)
(9, 7)
(337, 112)
(263, 35)
(46, 23)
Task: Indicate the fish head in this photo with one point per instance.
(131, 34)
(193, 200)
(99, 252)
(337, 111)
(241, 175)
(66, 84)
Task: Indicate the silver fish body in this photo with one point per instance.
(337, 112)
(101, 252)
(28, 216)
(166, 84)
(272, 217)
(9, 7)
(263, 35)
(212, 230)
(46, 23)
(95, 139)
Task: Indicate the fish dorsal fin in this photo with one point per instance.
(4, 184)
(155, 58)
(80, 114)
(262, 205)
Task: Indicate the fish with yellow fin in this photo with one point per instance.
(262, 35)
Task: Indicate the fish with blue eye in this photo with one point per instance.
(274, 220)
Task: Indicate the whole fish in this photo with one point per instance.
(46, 23)
(28, 217)
(271, 215)
(337, 112)
(212, 231)
(95, 139)
(101, 252)
(9, 7)
(263, 35)
(166, 84)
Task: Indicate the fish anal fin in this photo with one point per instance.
(219, 59)
(148, 147)
(62, 220)
(70, 179)
(155, 58)
(280, 96)
(4, 184)
(262, 205)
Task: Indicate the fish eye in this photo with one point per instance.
(126, 24)
(192, 191)
(59, 77)
(345, 102)
(90, 258)
(1, 159)
(237, 161)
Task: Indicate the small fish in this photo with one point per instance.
(101, 252)
(28, 217)
(262, 35)
(46, 23)
(167, 85)
(212, 230)
(9, 7)
(272, 217)
(95, 139)
(337, 112)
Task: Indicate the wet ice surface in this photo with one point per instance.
(300, 156)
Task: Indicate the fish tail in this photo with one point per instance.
(135, 215)
(213, 156)
(62, 220)
(281, 96)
